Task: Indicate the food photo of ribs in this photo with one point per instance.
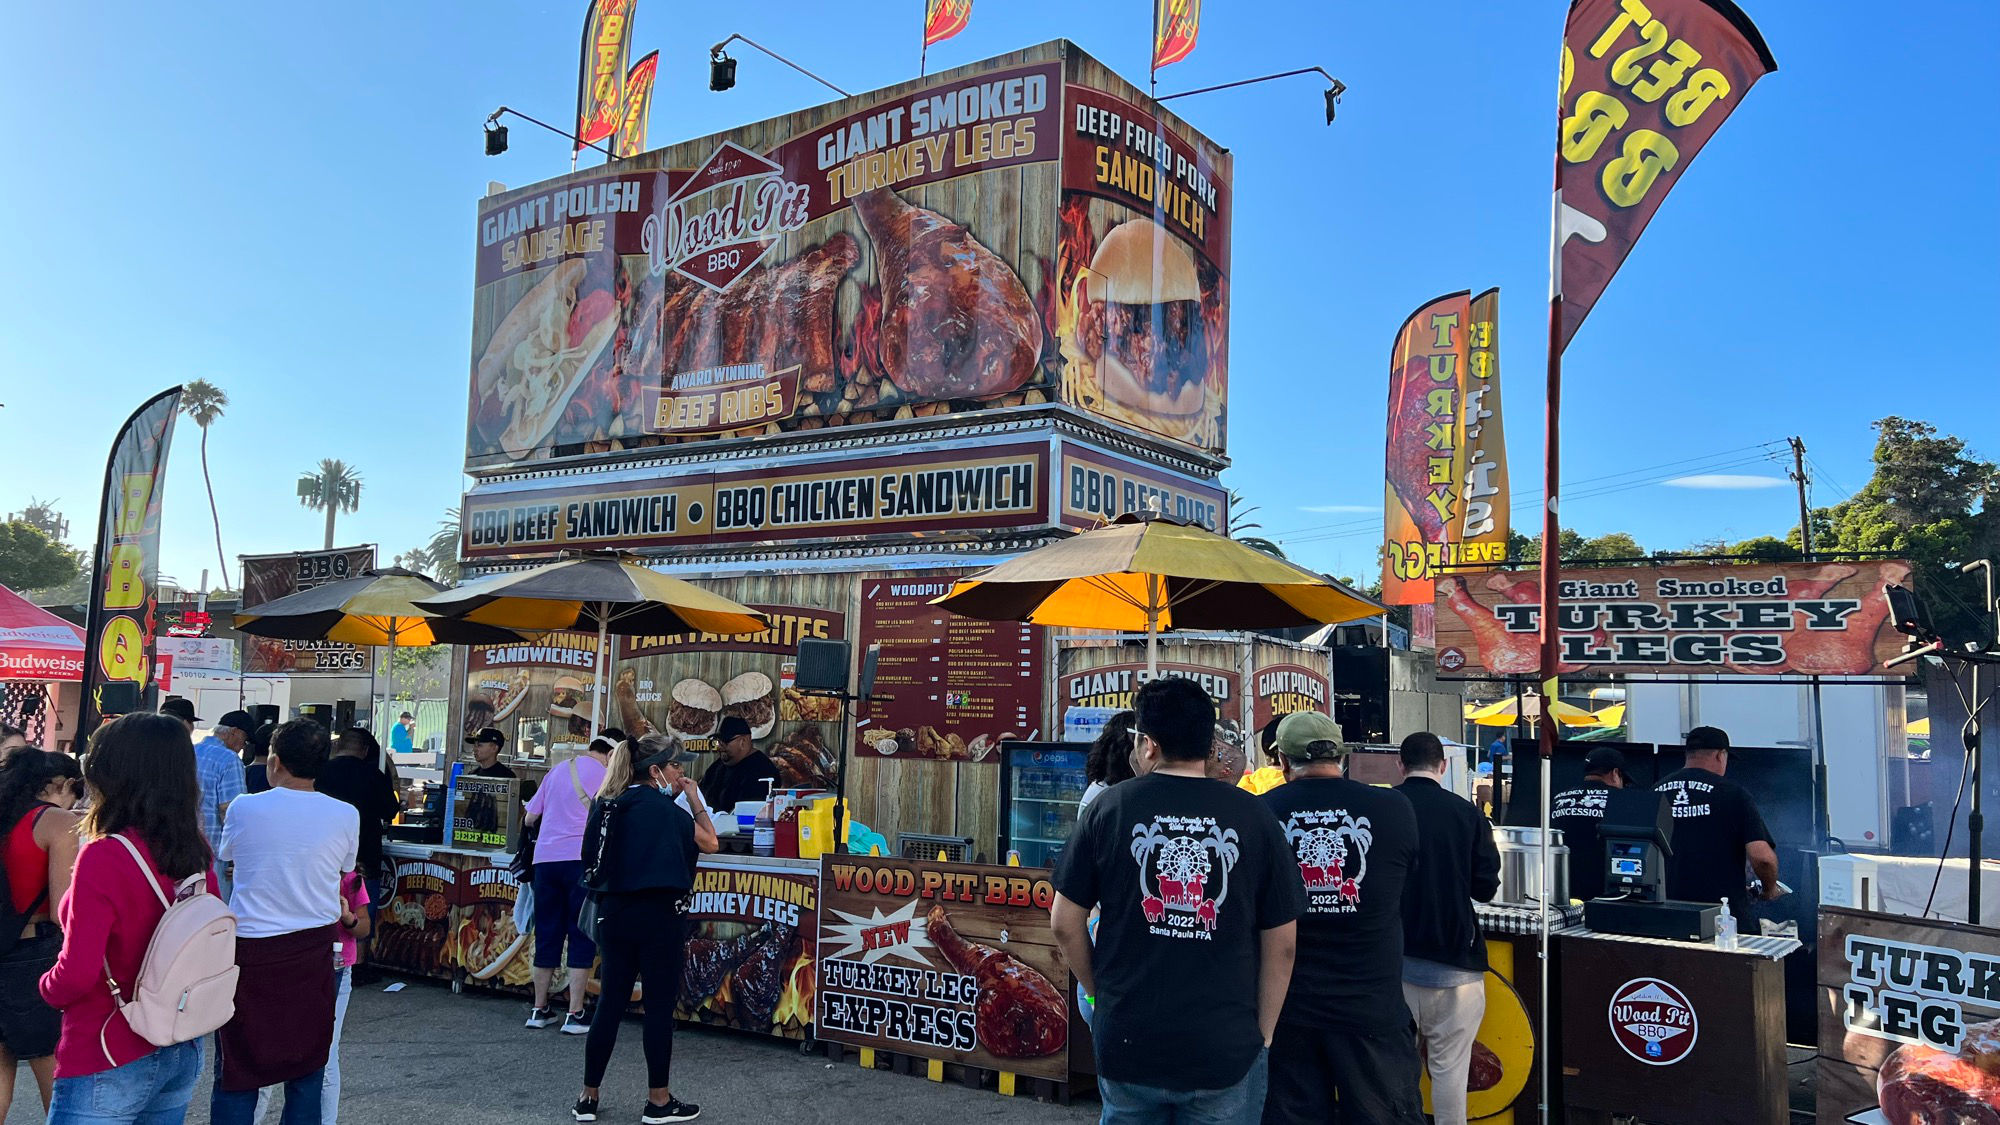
(759, 982)
(1019, 1015)
(777, 315)
(710, 961)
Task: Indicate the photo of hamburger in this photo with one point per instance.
(1140, 322)
(564, 696)
(749, 697)
(697, 708)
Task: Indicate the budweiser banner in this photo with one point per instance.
(638, 106)
(124, 594)
(944, 19)
(600, 71)
(891, 256)
(1644, 86)
(266, 578)
(1177, 24)
(1425, 463)
(1794, 619)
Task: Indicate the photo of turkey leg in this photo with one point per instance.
(956, 321)
(1020, 1015)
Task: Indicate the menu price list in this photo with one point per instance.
(959, 685)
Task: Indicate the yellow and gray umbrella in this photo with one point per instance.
(376, 607)
(1507, 712)
(1143, 573)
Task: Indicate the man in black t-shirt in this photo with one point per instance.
(1345, 1031)
(486, 747)
(740, 771)
(1200, 899)
(1717, 829)
(1578, 812)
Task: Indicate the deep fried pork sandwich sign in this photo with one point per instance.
(1805, 619)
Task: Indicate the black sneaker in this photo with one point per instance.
(541, 1017)
(585, 1109)
(575, 1024)
(674, 1110)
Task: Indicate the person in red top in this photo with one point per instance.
(140, 775)
(37, 789)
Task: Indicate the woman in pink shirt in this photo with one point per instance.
(559, 809)
(140, 772)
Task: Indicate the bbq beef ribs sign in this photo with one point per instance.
(1797, 619)
(1645, 83)
(943, 961)
(1097, 488)
(1911, 1019)
(887, 256)
(267, 578)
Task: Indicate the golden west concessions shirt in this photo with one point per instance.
(1188, 872)
(1714, 822)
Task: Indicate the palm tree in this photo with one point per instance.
(442, 551)
(332, 488)
(1239, 523)
(203, 401)
(416, 558)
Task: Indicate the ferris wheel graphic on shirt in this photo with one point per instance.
(1180, 858)
(1331, 846)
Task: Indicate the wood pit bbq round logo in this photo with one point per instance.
(1653, 1021)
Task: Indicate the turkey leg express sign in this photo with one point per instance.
(1799, 619)
(943, 961)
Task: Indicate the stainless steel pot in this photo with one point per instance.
(1520, 866)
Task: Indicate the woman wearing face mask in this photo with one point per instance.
(639, 855)
(37, 790)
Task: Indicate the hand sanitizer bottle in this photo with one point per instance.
(1725, 928)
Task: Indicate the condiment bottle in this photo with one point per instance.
(787, 844)
(764, 840)
(1725, 928)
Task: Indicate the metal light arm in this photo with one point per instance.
(494, 118)
(716, 51)
(1338, 86)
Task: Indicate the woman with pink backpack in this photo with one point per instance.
(148, 960)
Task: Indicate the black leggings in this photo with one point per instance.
(641, 936)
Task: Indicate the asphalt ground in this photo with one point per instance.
(426, 1055)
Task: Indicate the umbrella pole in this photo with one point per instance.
(1152, 627)
(597, 684)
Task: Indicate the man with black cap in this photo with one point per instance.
(1344, 1032)
(486, 747)
(1578, 812)
(740, 770)
(218, 765)
(1717, 829)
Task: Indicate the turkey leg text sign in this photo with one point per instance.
(1825, 619)
(944, 961)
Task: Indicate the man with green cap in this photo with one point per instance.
(1345, 1033)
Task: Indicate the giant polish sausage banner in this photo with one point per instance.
(942, 961)
(887, 256)
(1792, 619)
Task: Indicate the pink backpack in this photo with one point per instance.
(187, 981)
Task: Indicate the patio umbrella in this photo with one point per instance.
(601, 592)
(1143, 572)
(1507, 712)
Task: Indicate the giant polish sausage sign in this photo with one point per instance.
(1796, 619)
(943, 961)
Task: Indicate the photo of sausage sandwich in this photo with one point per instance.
(539, 355)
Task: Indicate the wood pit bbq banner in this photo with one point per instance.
(906, 253)
(1793, 619)
(267, 578)
(943, 961)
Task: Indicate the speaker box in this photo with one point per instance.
(120, 698)
(264, 712)
(321, 713)
(822, 665)
(343, 714)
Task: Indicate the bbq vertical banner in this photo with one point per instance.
(944, 19)
(124, 596)
(600, 70)
(1483, 523)
(638, 106)
(1644, 86)
(1426, 447)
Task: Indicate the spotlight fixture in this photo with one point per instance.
(496, 138)
(1333, 93)
(721, 71)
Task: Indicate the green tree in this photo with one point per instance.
(31, 560)
(441, 553)
(1239, 523)
(332, 488)
(1764, 548)
(1575, 548)
(203, 401)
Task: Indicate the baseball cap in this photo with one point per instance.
(1301, 729)
(732, 726)
(180, 708)
(489, 734)
(1603, 760)
(241, 720)
(1707, 738)
(673, 756)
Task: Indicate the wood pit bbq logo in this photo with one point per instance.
(753, 204)
(1653, 1021)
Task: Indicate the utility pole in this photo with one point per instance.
(1821, 826)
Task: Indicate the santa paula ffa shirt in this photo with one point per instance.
(1354, 845)
(1577, 813)
(1188, 872)
(1714, 821)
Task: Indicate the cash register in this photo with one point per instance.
(1637, 837)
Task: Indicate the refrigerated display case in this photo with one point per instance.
(1040, 786)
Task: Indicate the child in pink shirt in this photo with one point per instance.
(346, 950)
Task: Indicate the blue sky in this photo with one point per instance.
(284, 205)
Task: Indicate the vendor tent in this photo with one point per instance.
(35, 645)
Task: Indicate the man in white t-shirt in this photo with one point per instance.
(290, 846)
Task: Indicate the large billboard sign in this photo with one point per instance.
(1793, 619)
(906, 253)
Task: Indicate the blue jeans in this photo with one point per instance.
(1241, 1104)
(154, 1090)
(239, 1107)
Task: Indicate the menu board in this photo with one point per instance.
(960, 687)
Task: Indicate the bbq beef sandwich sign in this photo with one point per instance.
(893, 255)
(1802, 619)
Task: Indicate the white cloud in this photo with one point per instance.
(1725, 480)
(1328, 508)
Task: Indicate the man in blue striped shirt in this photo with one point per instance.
(218, 765)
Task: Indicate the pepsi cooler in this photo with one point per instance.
(1041, 787)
